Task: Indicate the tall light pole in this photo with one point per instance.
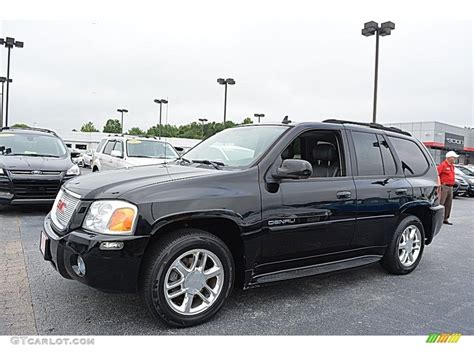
(2, 80)
(202, 120)
(259, 116)
(161, 102)
(225, 82)
(385, 29)
(9, 43)
(122, 111)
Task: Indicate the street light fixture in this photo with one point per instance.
(259, 115)
(2, 80)
(203, 121)
(372, 28)
(161, 102)
(122, 111)
(9, 43)
(225, 82)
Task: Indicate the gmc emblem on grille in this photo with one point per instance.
(61, 206)
(36, 172)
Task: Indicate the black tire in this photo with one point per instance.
(157, 261)
(391, 261)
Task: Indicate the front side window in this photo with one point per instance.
(31, 144)
(119, 147)
(322, 149)
(140, 148)
(236, 147)
(369, 158)
(412, 158)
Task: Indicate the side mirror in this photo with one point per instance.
(116, 154)
(75, 154)
(294, 169)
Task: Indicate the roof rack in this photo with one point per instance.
(45, 130)
(371, 125)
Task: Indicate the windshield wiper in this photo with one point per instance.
(184, 159)
(215, 164)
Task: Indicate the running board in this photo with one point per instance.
(316, 269)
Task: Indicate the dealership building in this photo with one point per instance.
(441, 137)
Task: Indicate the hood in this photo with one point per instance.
(20, 162)
(114, 183)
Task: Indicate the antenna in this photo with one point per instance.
(286, 120)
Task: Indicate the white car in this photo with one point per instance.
(116, 152)
(87, 157)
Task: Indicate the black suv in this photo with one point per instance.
(250, 205)
(34, 163)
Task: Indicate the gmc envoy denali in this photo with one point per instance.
(250, 205)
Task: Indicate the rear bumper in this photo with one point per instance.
(437, 217)
(107, 270)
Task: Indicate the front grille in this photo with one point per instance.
(36, 188)
(35, 172)
(5, 186)
(63, 209)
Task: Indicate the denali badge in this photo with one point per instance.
(276, 222)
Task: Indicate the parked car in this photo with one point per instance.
(467, 174)
(34, 163)
(460, 187)
(312, 198)
(126, 151)
(87, 158)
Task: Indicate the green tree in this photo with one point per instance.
(89, 127)
(20, 125)
(112, 126)
(136, 131)
(248, 120)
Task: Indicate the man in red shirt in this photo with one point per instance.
(446, 176)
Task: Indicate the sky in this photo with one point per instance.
(307, 67)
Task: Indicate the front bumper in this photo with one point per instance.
(437, 218)
(107, 270)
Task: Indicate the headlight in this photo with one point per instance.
(471, 180)
(111, 217)
(2, 172)
(73, 171)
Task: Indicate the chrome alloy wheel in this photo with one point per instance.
(193, 282)
(409, 246)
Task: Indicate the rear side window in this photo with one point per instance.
(369, 158)
(109, 147)
(411, 156)
(389, 165)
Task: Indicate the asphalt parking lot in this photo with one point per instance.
(437, 297)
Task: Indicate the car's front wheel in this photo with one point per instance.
(186, 277)
(406, 248)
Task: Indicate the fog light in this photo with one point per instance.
(111, 246)
(80, 267)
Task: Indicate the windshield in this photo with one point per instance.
(236, 147)
(139, 148)
(31, 144)
(466, 171)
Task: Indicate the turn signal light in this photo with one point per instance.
(122, 220)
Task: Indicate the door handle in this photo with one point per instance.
(401, 191)
(343, 195)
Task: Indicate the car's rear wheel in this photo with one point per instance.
(186, 277)
(404, 252)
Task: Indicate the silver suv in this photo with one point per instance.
(116, 152)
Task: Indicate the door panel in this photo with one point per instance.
(309, 217)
